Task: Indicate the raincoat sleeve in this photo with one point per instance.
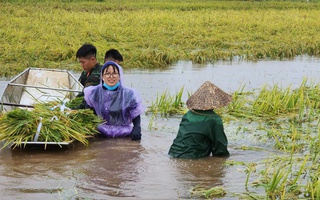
(136, 106)
(219, 138)
(87, 93)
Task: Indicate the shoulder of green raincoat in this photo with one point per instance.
(200, 135)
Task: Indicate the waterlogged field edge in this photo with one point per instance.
(284, 118)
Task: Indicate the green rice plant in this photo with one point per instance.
(302, 168)
(275, 182)
(274, 102)
(75, 102)
(245, 147)
(178, 103)
(294, 129)
(167, 105)
(238, 101)
(239, 107)
(232, 162)
(279, 101)
(251, 167)
(152, 122)
(313, 93)
(313, 185)
(284, 177)
(315, 145)
(286, 139)
(317, 189)
(280, 141)
(273, 188)
(289, 117)
(208, 193)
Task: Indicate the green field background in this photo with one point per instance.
(155, 34)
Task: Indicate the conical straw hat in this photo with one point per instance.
(208, 97)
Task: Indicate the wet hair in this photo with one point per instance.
(113, 55)
(86, 50)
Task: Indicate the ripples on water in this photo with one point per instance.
(122, 168)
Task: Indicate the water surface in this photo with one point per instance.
(123, 169)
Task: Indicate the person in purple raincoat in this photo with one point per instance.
(119, 106)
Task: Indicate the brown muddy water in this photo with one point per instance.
(123, 169)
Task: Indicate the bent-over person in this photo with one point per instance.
(201, 130)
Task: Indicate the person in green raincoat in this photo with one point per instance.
(201, 131)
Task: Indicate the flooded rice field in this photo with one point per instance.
(123, 169)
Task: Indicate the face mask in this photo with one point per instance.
(111, 87)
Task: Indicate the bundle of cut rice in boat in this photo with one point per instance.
(49, 122)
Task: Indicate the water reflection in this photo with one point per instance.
(205, 173)
(110, 166)
(26, 174)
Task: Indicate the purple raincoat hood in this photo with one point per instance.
(113, 64)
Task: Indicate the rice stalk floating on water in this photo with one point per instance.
(58, 125)
(208, 193)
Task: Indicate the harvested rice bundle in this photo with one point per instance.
(52, 121)
(75, 102)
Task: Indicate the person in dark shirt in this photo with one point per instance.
(90, 76)
(201, 131)
(113, 55)
(86, 56)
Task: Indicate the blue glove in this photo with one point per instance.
(136, 133)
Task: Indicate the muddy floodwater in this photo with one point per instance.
(123, 169)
